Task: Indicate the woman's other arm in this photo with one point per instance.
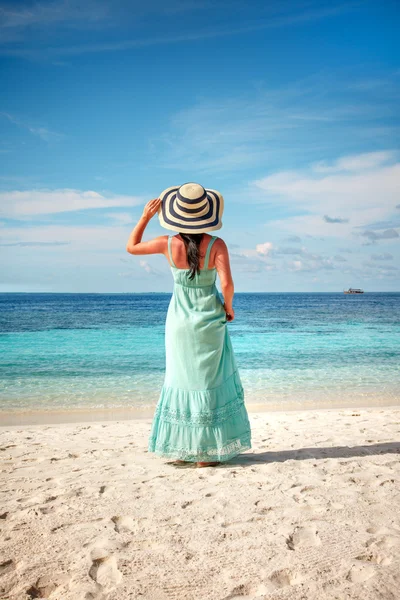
(225, 276)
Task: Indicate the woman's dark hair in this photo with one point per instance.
(192, 245)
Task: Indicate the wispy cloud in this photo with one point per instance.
(71, 241)
(16, 18)
(45, 134)
(106, 13)
(34, 244)
(362, 196)
(310, 266)
(294, 239)
(149, 268)
(357, 163)
(280, 259)
(250, 262)
(26, 204)
(120, 218)
(293, 124)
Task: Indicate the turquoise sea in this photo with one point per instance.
(68, 351)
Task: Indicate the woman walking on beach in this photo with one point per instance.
(200, 417)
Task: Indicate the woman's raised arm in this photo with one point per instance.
(135, 244)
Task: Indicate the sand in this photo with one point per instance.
(311, 512)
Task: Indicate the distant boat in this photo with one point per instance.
(353, 291)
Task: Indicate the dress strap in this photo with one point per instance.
(170, 251)
(210, 243)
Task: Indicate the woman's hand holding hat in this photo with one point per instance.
(151, 208)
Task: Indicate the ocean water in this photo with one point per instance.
(69, 351)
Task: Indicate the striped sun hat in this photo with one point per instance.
(191, 209)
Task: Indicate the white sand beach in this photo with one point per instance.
(311, 512)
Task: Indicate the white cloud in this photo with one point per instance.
(22, 204)
(359, 162)
(145, 265)
(310, 265)
(297, 265)
(149, 268)
(264, 249)
(359, 196)
(89, 239)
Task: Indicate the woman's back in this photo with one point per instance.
(179, 255)
(204, 278)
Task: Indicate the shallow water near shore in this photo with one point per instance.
(105, 352)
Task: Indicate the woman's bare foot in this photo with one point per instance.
(207, 464)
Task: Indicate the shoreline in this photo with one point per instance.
(60, 416)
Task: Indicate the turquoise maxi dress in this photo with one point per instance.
(200, 415)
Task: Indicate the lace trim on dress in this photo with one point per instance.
(205, 417)
(203, 454)
(180, 412)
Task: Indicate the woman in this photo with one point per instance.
(200, 417)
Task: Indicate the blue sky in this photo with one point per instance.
(290, 109)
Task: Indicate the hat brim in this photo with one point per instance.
(170, 219)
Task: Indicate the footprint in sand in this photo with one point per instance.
(285, 577)
(7, 566)
(336, 505)
(277, 580)
(104, 569)
(378, 549)
(46, 510)
(46, 585)
(248, 592)
(360, 573)
(303, 536)
(122, 524)
(374, 556)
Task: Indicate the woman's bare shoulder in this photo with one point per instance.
(220, 244)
